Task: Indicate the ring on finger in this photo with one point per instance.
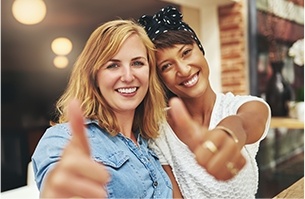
(210, 146)
(231, 168)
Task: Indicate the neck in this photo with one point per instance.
(200, 108)
(125, 121)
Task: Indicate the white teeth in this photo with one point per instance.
(127, 90)
(191, 81)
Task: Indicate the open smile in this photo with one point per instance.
(192, 81)
(128, 90)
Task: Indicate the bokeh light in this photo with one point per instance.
(29, 12)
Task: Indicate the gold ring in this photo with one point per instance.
(231, 168)
(210, 146)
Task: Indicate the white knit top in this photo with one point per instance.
(193, 180)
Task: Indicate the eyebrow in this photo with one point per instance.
(182, 47)
(114, 60)
(140, 57)
(135, 58)
(179, 51)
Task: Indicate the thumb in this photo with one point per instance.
(76, 120)
(187, 130)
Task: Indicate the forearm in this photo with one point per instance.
(249, 123)
(234, 124)
(176, 189)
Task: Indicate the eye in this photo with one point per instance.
(112, 65)
(186, 52)
(138, 63)
(165, 67)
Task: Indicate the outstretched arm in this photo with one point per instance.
(215, 150)
(250, 121)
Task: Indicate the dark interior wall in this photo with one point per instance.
(27, 105)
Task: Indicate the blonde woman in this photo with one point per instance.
(106, 154)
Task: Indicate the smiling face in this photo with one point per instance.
(183, 69)
(123, 80)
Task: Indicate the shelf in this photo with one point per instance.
(285, 122)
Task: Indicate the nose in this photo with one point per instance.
(127, 74)
(183, 69)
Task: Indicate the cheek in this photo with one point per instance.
(143, 75)
(101, 86)
(99, 79)
(168, 79)
(104, 81)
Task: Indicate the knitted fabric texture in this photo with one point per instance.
(193, 180)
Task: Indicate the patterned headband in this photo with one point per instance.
(168, 18)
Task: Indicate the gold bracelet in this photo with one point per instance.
(228, 131)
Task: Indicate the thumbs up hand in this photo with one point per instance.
(214, 149)
(76, 174)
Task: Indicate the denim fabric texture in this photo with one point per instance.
(134, 169)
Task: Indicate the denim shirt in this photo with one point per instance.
(134, 169)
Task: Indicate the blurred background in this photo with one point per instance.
(253, 47)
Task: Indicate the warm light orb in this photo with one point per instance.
(61, 61)
(61, 46)
(29, 12)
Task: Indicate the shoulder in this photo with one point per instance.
(228, 104)
(57, 136)
(63, 129)
(167, 135)
(229, 100)
(58, 131)
(233, 98)
(58, 128)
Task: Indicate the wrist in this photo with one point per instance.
(229, 132)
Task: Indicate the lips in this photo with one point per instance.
(191, 82)
(128, 90)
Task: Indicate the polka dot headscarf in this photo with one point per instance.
(168, 18)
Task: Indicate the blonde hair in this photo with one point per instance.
(101, 46)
